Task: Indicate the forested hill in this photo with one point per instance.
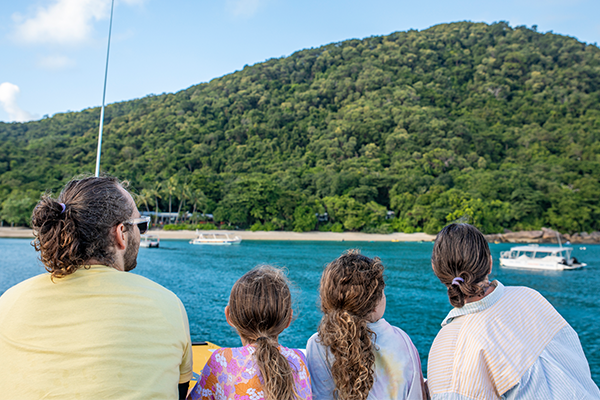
(497, 123)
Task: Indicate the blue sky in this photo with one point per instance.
(54, 51)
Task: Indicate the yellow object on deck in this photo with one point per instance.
(201, 352)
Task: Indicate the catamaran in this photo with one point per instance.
(533, 256)
(215, 239)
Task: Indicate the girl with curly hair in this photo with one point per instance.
(356, 354)
(260, 308)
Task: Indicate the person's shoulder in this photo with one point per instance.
(294, 356)
(316, 349)
(27, 284)
(382, 326)
(295, 352)
(41, 279)
(223, 355)
(519, 289)
(220, 351)
(150, 289)
(314, 343)
(145, 283)
(523, 292)
(387, 331)
(314, 338)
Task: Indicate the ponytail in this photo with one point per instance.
(458, 293)
(352, 344)
(351, 288)
(55, 237)
(278, 376)
(260, 308)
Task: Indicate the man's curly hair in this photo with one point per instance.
(67, 238)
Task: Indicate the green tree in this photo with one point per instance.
(143, 198)
(156, 192)
(17, 208)
(305, 219)
(487, 120)
(249, 200)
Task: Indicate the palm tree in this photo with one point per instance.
(156, 192)
(144, 197)
(185, 193)
(200, 200)
(172, 187)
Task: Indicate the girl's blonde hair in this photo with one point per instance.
(260, 308)
(351, 288)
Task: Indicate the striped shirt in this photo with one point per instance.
(512, 344)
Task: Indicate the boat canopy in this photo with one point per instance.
(541, 249)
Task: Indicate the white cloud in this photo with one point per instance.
(63, 21)
(8, 100)
(243, 8)
(55, 62)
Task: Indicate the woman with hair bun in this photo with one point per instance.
(356, 354)
(260, 308)
(499, 342)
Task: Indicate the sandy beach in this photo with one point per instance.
(261, 235)
(22, 233)
(318, 236)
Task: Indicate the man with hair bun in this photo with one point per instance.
(87, 329)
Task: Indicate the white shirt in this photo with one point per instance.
(397, 366)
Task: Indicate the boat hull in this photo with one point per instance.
(215, 243)
(536, 265)
(148, 241)
(216, 239)
(142, 244)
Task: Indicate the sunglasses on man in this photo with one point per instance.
(141, 222)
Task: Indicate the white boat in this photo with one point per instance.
(147, 240)
(554, 258)
(216, 239)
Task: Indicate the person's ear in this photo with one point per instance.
(227, 316)
(120, 237)
(290, 321)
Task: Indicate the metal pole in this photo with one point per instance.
(104, 94)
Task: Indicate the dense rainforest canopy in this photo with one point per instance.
(495, 123)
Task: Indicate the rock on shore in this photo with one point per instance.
(544, 235)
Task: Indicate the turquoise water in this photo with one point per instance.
(416, 302)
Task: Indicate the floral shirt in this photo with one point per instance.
(232, 373)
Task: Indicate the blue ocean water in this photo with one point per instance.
(202, 277)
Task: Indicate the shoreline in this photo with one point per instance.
(544, 236)
(26, 233)
(306, 236)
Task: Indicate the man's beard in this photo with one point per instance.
(130, 256)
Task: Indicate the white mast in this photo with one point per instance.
(104, 94)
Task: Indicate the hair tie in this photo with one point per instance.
(262, 338)
(457, 281)
(63, 207)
